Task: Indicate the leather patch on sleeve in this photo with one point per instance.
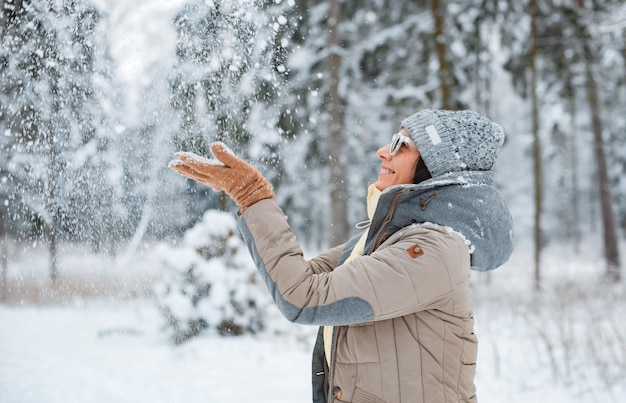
(415, 251)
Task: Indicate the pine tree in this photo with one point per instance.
(51, 114)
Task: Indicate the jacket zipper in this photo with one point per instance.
(392, 210)
(331, 369)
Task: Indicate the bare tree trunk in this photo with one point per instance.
(482, 82)
(4, 245)
(51, 202)
(445, 76)
(573, 149)
(611, 251)
(622, 218)
(340, 228)
(537, 166)
(8, 14)
(5, 265)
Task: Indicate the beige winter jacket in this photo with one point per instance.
(402, 312)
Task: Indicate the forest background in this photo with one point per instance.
(96, 96)
(92, 110)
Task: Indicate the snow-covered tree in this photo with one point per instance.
(213, 284)
(53, 113)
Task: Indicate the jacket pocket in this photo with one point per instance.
(352, 380)
(470, 350)
(361, 396)
(357, 367)
(466, 386)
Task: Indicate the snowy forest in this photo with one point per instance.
(97, 95)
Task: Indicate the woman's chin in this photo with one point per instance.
(382, 184)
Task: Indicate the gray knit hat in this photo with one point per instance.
(453, 141)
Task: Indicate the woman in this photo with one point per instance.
(394, 302)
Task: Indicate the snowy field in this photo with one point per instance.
(111, 352)
(97, 337)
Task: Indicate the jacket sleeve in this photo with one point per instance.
(391, 282)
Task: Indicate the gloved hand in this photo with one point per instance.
(240, 180)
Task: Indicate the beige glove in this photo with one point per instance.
(240, 180)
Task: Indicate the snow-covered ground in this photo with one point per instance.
(100, 351)
(563, 345)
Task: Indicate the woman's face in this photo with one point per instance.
(399, 168)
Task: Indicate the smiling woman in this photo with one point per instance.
(399, 161)
(393, 303)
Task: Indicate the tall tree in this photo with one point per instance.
(32, 79)
(614, 74)
(537, 156)
(50, 112)
(337, 163)
(611, 250)
(445, 76)
(573, 230)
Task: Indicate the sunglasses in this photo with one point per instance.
(396, 142)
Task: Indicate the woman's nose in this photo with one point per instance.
(383, 152)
